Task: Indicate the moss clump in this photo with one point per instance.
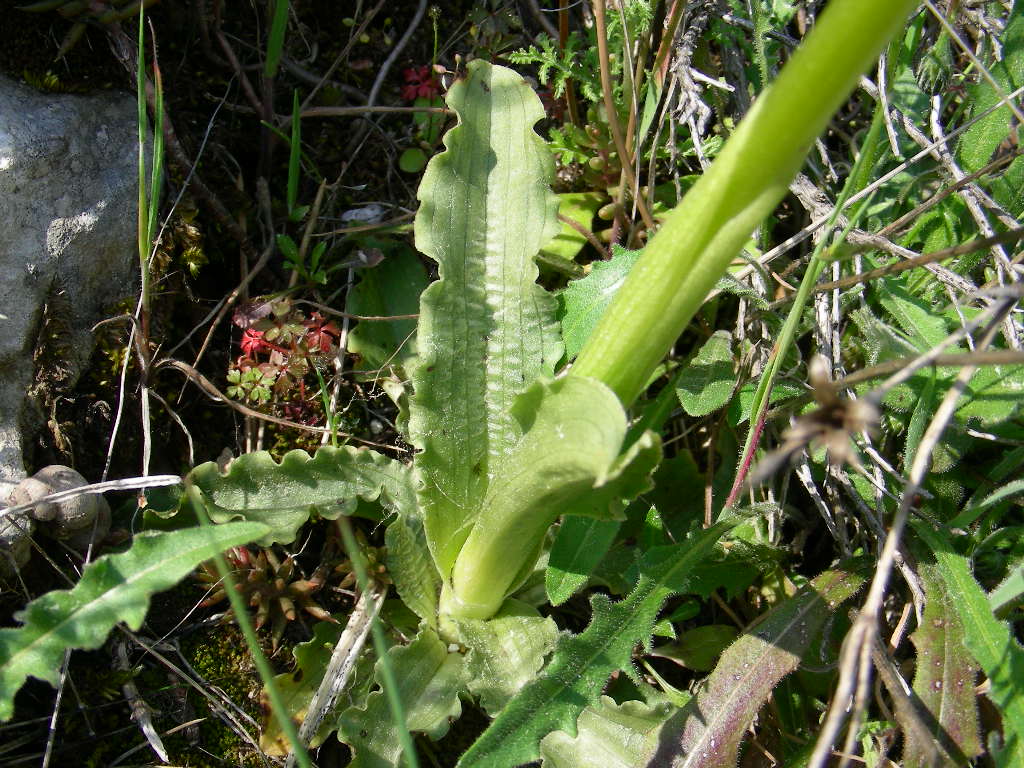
(221, 657)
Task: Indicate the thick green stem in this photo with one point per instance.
(705, 232)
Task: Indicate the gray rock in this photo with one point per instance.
(68, 198)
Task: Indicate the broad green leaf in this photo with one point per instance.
(429, 679)
(583, 301)
(988, 639)
(944, 677)
(283, 496)
(486, 329)
(391, 288)
(708, 381)
(505, 652)
(980, 141)
(582, 663)
(609, 735)
(708, 731)
(579, 545)
(113, 588)
(411, 567)
(580, 207)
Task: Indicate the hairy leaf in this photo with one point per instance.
(429, 679)
(708, 381)
(944, 676)
(506, 652)
(582, 663)
(486, 330)
(113, 588)
(707, 732)
(257, 488)
(988, 639)
(584, 300)
(609, 735)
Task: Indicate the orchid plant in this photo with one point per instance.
(507, 444)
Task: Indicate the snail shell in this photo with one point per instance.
(71, 520)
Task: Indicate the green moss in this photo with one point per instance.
(221, 658)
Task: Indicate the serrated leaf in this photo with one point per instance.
(429, 679)
(506, 652)
(988, 639)
(411, 567)
(582, 663)
(944, 676)
(486, 329)
(609, 735)
(114, 588)
(282, 496)
(391, 288)
(708, 381)
(579, 207)
(583, 302)
(708, 731)
(579, 545)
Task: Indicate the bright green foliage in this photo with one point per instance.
(486, 329)
(282, 496)
(114, 588)
(583, 302)
(429, 680)
(506, 652)
(989, 640)
(708, 381)
(391, 288)
(944, 677)
(708, 731)
(582, 663)
(609, 735)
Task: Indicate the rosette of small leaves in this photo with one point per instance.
(272, 586)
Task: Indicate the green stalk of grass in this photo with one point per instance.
(705, 232)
